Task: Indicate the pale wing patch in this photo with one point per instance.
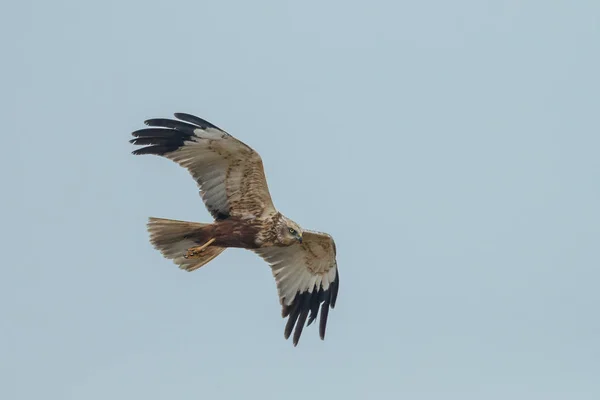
(211, 133)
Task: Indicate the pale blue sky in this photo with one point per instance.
(451, 149)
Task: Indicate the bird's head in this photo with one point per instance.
(288, 232)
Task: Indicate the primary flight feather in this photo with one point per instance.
(234, 189)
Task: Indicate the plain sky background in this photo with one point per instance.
(450, 147)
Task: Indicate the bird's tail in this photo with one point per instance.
(173, 238)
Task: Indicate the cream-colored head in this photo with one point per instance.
(288, 232)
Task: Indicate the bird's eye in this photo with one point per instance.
(292, 231)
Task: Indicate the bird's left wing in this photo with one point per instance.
(228, 172)
(307, 279)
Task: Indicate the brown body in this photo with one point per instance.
(230, 233)
(248, 233)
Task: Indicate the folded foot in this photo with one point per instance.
(196, 252)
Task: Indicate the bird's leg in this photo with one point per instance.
(195, 252)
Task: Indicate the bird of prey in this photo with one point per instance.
(233, 186)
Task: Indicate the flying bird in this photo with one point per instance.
(232, 183)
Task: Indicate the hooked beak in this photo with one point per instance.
(300, 239)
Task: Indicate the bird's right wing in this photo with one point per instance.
(307, 278)
(228, 172)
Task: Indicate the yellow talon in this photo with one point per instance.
(195, 252)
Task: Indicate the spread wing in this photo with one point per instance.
(307, 279)
(229, 173)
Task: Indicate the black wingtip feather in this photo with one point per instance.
(164, 137)
(314, 307)
(172, 124)
(335, 285)
(174, 131)
(151, 140)
(156, 150)
(310, 302)
(202, 123)
(323, 321)
(289, 326)
(159, 132)
(305, 308)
